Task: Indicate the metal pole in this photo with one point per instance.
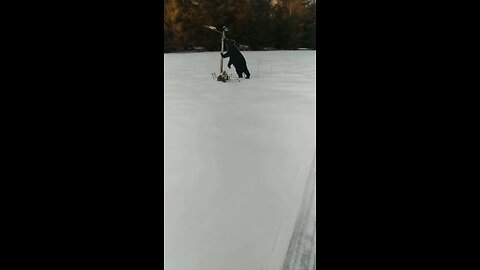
(221, 57)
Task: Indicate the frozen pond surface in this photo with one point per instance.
(237, 159)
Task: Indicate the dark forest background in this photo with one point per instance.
(259, 24)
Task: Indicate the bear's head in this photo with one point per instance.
(230, 43)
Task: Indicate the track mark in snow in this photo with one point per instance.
(301, 253)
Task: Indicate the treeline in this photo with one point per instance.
(279, 24)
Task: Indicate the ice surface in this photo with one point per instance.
(237, 157)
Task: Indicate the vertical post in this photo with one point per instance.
(221, 57)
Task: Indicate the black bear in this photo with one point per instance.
(236, 59)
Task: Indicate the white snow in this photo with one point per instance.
(237, 156)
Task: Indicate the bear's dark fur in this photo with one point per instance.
(236, 59)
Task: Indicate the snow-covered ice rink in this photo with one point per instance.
(238, 157)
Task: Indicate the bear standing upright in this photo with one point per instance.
(236, 59)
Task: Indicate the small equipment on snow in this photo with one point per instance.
(223, 77)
